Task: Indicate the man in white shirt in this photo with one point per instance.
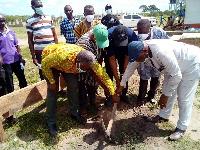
(180, 64)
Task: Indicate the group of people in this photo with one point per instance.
(88, 44)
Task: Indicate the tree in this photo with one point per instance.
(153, 8)
(144, 8)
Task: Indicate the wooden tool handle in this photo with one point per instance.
(112, 117)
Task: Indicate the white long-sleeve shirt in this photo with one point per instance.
(178, 60)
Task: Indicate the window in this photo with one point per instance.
(127, 17)
(136, 17)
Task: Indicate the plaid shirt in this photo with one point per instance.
(66, 29)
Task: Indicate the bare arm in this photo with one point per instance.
(1, 60)
(54, 35)
(20, 54)
(31, 47)
(113, 66)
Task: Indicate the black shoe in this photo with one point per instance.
(52, 130)
(157, 119)
(108, 102)
(125, 99)
(79, 119)
(12, 120)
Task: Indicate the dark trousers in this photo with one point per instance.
(39, 59)
(72, 92)
(3, 89)
(143, 88)
(84, 90)
(16, 68)
(6, 79)
(120, 60)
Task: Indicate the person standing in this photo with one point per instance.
(12, 60)
(180, 64)
(146, 32)
(41, 32)
(93, 41)
(119, 37)
(67, 26)
(109, 20)
(88, 23)
(162, 20)
(82, 28)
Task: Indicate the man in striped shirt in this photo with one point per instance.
(41, 32)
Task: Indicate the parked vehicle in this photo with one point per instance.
(131, 20)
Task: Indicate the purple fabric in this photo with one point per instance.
(8, 48)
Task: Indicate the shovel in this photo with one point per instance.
(110, 122)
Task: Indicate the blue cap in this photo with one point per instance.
(134, 49)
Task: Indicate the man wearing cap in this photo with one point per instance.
(109, 20)
(93, 41)
(180, 64)
(119, 37)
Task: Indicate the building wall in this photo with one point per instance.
(192, 13)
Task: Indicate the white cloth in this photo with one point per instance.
(180, 63)
(185, 101)
(177, 60)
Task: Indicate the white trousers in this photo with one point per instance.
(185, 94)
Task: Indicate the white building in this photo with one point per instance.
(192, 13)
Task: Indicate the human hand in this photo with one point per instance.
(119, 90)
(35, 61)
(118, 83)
(53, 87)
(23, 61)
(115, 98)
(163, 101)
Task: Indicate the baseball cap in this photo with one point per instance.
(101, 35)
(134, 49)
(108, 6)
(120, 35)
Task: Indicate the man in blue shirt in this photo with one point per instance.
(119, 38)
(67, 26)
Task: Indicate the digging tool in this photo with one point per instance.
(110, 122)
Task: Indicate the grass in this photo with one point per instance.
(31, 132)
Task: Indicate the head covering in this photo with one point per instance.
(134, 49)
(108, 6)
(101, 36)
(2, 17)
(120, 36)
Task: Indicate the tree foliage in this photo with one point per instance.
(144, 8)
(11, 18)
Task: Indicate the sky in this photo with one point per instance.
(55, 7)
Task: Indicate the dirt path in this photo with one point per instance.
(193, 130)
